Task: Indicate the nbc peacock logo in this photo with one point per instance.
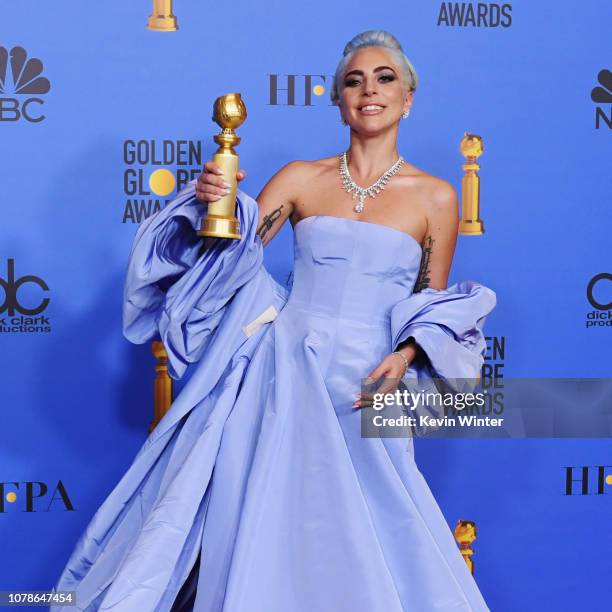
(21, 84)
(602, 96)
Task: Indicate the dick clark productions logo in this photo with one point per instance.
(29, 319)
(601, 315)
(20, 78)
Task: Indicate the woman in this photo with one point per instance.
(256, 492)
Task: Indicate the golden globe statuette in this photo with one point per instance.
(221, 222)
(162, 389)
(471, 147)
(162, 19)
(465, 534)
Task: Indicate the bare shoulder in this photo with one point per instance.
(435, 193)
(285, 184)
(303, 169)
(291, 172)
(308, 169)
(293, 175)
(443, 194)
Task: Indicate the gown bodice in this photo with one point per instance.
(351, 268)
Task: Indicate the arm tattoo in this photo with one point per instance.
(289, 281)
(267, 222)
(423, 278)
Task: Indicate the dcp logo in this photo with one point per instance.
(11, 288)
(604, 276)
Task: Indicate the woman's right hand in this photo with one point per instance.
(211, 183)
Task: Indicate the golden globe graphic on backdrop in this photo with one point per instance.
(477, 15)
(161, 18)
(492, 374)
(21, 76)
(154, 171)
(471, 224)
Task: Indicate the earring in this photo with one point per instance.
(343, 120)
(405, 115)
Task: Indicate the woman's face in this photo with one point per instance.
(371, 79)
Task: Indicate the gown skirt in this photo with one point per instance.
(256, 492)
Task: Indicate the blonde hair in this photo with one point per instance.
(375, 38)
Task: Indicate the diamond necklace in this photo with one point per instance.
(362, 192)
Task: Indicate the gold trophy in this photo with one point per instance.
(471, 147)
(465, 534)
(229, 113)
(162, 19)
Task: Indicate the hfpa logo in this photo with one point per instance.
(587, 480)
(297, 89)
(34, 496)
(20, 76)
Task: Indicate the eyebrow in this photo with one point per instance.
(378, 69)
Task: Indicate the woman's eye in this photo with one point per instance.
(351, 82)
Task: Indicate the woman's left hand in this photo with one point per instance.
(392, 367)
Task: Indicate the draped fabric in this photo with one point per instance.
(256, 491)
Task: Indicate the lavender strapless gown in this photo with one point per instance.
(256, 491)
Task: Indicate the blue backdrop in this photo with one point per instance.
(78, 131)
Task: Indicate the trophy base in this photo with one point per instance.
(471, 228)
(220, 227)
(162, 23)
